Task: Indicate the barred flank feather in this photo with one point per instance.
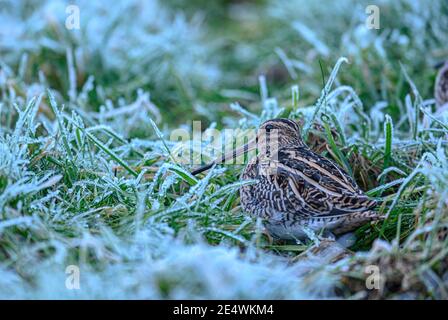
(301, 188)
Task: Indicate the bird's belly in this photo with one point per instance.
(291, 230)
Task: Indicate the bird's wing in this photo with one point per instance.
(312, 185)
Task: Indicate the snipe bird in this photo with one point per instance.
(441, 86)
(297, 189)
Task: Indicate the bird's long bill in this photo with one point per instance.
(229, 156)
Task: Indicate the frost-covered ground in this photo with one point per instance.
(87, 178)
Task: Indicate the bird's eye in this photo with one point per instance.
(269, 127)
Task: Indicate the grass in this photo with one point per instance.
(88, 177)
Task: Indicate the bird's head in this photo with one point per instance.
(271, 135)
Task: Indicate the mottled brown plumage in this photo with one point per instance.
(298, 189)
